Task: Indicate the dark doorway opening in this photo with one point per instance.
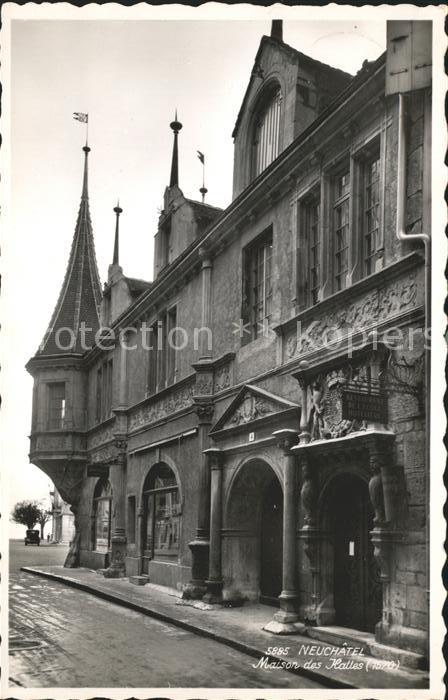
(271, 543)
(357, 586)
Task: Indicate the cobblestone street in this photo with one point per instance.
(61, 637)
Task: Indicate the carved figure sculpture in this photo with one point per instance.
(318, 427)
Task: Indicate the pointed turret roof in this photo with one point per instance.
(176, 126)
(80, 296)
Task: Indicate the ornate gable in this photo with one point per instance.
(249, 405)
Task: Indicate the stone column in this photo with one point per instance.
(117, 568)
(204, 351)
(199, 547)
(313, 539)
(214, 581)
(286, 620)
(139, 536)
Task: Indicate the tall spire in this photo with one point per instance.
(80, 296)
(117, 211)
(176, 126)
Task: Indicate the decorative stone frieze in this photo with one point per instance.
(47, 443)
(370, 309)
(104, 455)
(100, 436)
(159, 408)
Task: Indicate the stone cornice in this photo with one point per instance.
(62, 361)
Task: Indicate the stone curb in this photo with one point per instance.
(195, 629)
(415, 680)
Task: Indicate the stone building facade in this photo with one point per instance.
(275, 449)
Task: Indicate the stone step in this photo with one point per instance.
(409, 659)
(356, 638)
(139, 580)
(342, 635)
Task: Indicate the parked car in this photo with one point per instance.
(32, 537)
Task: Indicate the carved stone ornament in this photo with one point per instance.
(222, 378)
(121, 444)
(376, 490)
(203, 385)
(324, 403)
(308, 496)
(105, 455)
(204, 411)
(372, 308)
(100, 437)
(251, 408)
(158, 409)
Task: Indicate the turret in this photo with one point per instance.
(58, 417)
(117, 295)
(182, 220)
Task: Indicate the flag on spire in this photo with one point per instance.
(201, 157)
(81, 117)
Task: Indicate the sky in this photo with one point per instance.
(129, 76)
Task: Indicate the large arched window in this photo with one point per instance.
(161, 513)
(102, 511)
(266, 138)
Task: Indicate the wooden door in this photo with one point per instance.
(357, 587)
(271, 543)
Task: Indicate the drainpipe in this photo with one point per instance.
(426, 240)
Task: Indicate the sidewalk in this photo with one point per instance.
(241, 628)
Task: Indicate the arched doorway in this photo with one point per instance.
(253, 534)
(356, 583)
(102, 515)
(161, 516)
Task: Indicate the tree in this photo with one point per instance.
(44, 517)
(26, 513)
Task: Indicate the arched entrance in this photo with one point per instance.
(161, 516)
(356, 584)
(253, 534)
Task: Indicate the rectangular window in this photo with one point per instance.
(171, 346)
(152, 359)
(312, 235)
(166, 522)
(341, 228)
(162, 353)
(257, 280)
(371, 213)
(56, 405)
(131, 520)
(104, 386)
(99, 382)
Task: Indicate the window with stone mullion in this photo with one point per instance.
(56, 405)
(312, 220)
(371, 208)
(262, 287)
(341, 229)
